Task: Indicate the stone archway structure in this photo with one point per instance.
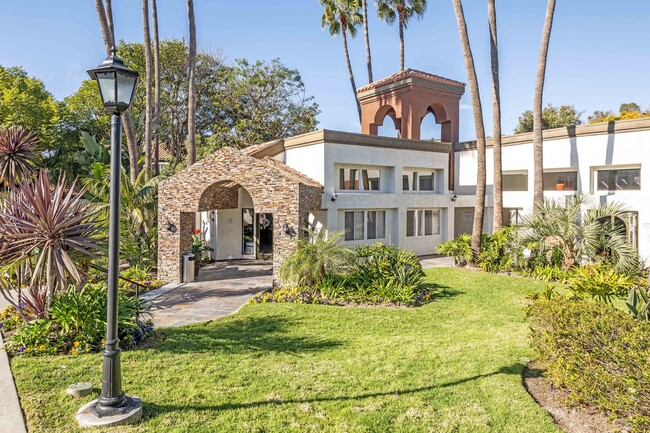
(213, 183)
(407, 97)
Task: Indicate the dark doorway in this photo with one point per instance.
(265, 234)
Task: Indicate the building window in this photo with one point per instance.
(418, 181)
(376, 225)
(422, 222)
(561, 181)
(515, 181)
(370, 223)
(359, 179)
(628, 179)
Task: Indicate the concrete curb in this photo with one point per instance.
(11, 415)
(149, 296)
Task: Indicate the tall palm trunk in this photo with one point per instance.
(148, 90)
(350, 73)
(496, 112)
(156, 69)
(108, 34)
(538, 139)
(191, 95)
(477, 108)
(401, 42)
(367, 38)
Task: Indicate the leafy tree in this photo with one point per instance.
(85, 111)
(599, 115)
(401, 11)
(552, 117)
(25, 102)
(260, 102)
(629, 106)
(343, 17)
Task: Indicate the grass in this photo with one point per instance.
(451, 366)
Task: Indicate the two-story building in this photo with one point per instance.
(253, 203)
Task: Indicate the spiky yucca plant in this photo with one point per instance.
(17, 150)
(51, 226)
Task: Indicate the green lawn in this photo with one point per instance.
(451, 366)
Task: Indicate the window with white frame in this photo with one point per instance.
(515, 180)
(618, 179)
(422, 222)
(418, 180)
(359, 179)
(362, 225)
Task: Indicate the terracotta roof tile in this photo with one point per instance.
(407, 74)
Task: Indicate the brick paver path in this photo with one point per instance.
(221, 289)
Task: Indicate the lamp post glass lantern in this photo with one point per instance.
(116, 85)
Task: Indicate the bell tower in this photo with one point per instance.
(407, 97)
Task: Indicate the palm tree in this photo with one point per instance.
(156, 69)
(477, 108)
(538, 139)
(367, 39)
(496, 113)
(108, 34)
(592, 235)
(17, 151)
(191, 92)
(342, 17)
(402, 11)
(316, 255)
(148, 89)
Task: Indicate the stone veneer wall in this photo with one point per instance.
(204, 186)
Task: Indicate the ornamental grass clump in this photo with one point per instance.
(598, 354)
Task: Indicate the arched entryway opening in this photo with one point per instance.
(230, 181)
(430, 129)
(388, 125)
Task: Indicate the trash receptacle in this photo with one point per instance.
(188, 268)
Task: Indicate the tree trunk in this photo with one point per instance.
(148, 90)
(156, 68)
(350, 73)
(496, 111)
(109, 20)
(106, 25)
(367, 38)
(401, 43)
(477, 227)
(538, 139)
(191, 96)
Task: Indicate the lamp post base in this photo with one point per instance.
(129, 412)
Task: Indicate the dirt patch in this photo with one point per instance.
(570, 419)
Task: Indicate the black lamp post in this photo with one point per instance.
(117, 86)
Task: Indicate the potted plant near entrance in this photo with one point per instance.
(199, 247)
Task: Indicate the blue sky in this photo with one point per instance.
(599, 56)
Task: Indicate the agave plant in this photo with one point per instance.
(17, 149)
(589, 236)
(51, 226)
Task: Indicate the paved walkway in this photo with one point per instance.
(436, 261)
(11, 416)
(221, 289)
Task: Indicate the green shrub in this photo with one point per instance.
(597, 353)
(459, 249)
(638, 302)
(293, 295)
(495, 253)
(550, 273)
(600, 282)
(384, 273)
(76, 322)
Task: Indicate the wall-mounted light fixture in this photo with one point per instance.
(334, 196)
(170, 227)
(454, 197)
(288, 230)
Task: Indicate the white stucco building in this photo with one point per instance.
(416, 194)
